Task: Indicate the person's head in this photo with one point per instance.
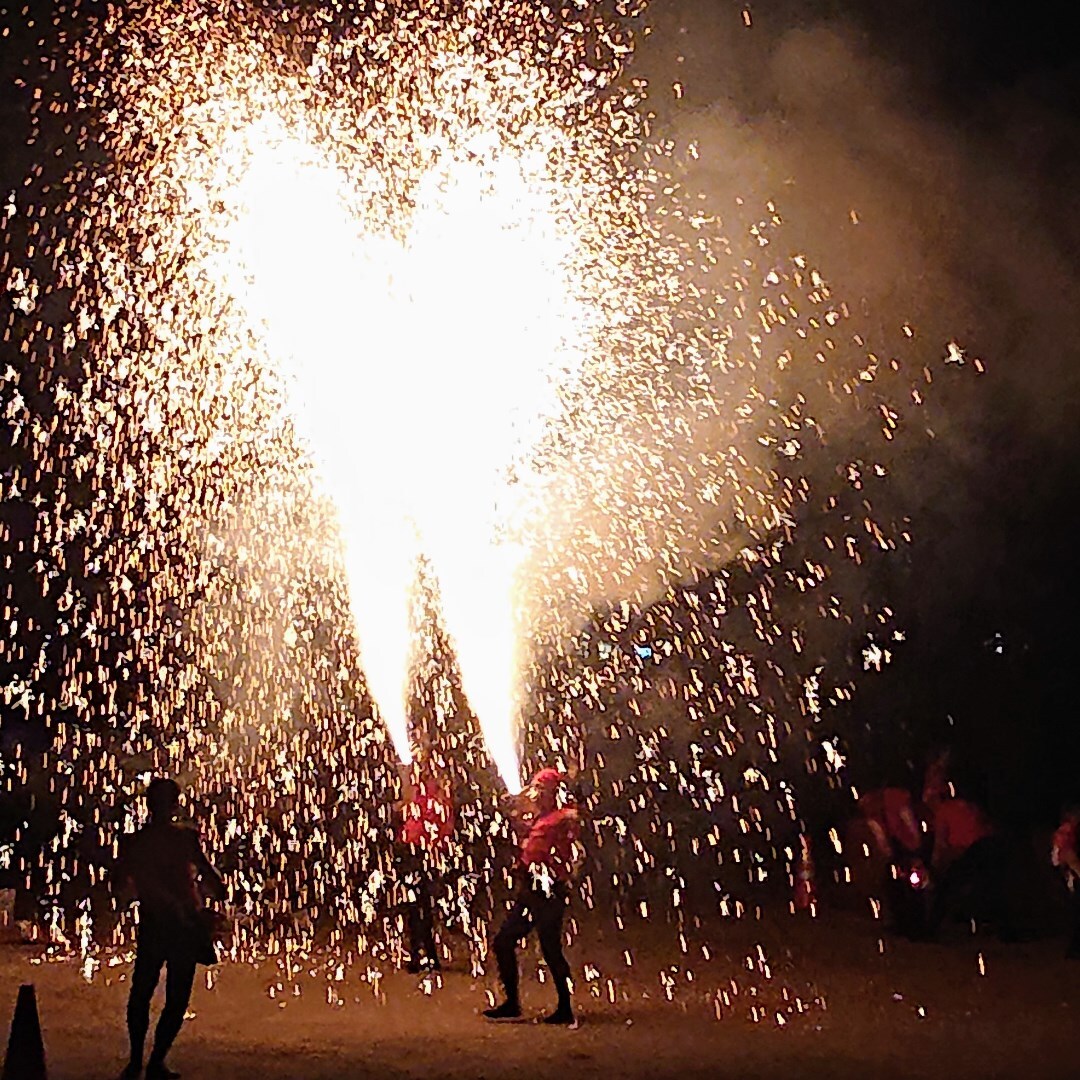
(162, 798)
(545, 789)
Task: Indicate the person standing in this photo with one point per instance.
(427, 826)
(1065, 854)
(163, 863)
(547, 834)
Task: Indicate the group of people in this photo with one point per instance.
(546, 827)
(163, 865)
(943, 857)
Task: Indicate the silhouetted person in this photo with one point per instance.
(163, 862)
(1065, 855)
(547, 834)
(426, 828)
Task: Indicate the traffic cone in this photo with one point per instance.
(25, 1058)
(805, 889)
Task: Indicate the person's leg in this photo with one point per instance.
(426, 916)
(954, 893)
(516, 926)
(894, 891)
(994, 883)
(550, 914)
(144, 980)
(948, 890)
(414, 922)
(940, 902)
(410, 878)
(179, 979)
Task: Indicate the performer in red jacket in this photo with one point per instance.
(548, 835)
(427, 826)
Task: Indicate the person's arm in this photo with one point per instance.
(121, 880)
(571, 822)
(881, 837)
(912, 833)
(207, 874)
(521, 812)
(446, 813)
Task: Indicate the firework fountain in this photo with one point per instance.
(367, 347)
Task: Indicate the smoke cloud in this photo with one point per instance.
(945, 234)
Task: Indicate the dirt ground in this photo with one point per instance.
(794, 997)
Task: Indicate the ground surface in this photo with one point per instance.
(829, 998)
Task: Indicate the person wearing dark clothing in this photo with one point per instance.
(969, 866)
(163, 863)
(1065, 854)
(548, 835)
(426, 828)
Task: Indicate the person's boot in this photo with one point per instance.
(508, 1010)
(563, 1015)
(564, 1011)
(158, 1070)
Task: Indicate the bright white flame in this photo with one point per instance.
(318, 287)
(422, 375)
(498, 332)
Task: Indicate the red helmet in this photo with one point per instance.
(547, 778)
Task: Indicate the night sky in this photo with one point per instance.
(964, 130)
